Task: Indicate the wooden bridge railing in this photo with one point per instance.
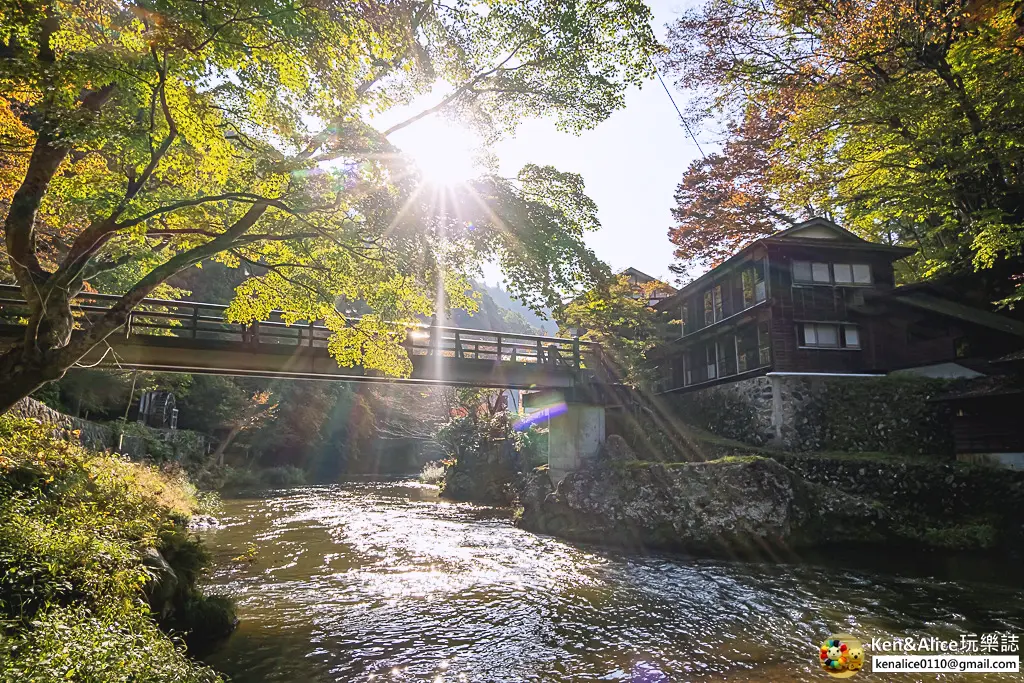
(205, 321)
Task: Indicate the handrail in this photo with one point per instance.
(181, 303)
(461, 342)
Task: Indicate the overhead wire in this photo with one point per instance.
(672, 99)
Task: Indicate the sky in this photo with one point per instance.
(631, 164)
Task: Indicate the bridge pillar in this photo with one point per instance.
(574, 436)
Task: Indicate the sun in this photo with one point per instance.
(444, 153)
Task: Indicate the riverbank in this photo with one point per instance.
(759, 502)
(97, 565)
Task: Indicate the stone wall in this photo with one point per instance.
(138, 442)
(740, 410)
(815, 413)
(942, 504)
(90, 434)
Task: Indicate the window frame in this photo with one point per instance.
(863, 269)
(871, 276)
(814, 273)
(840, 335)
(712, 367)
(798, 280)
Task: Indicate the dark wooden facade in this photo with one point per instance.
(793, 302)
(818, 299)
(987, 414)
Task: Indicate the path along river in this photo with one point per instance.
(382, 581)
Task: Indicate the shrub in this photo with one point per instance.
(433, 472)
(73, 528)
(286, 475)
(243, 479)
(108, 645)
(237, 478)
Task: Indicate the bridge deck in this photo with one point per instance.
(195, 337)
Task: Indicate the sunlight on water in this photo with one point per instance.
(381, 581)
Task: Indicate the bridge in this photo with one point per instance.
(194, 337)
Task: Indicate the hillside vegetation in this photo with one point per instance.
(75, 590)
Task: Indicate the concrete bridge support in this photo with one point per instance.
(574, 436)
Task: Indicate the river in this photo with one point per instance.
(382, 581)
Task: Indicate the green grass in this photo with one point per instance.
(73, 527)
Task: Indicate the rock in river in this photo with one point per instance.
(729, 505)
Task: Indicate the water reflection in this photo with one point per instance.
(381, 581)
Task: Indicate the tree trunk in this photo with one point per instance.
(20, 378)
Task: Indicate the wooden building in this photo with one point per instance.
(817, 299)
(987, 425)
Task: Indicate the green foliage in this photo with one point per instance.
(904, 120)
(433, 472)
(163, 137)
(283, 476)
(213, 402)
(973, 535)
(484, 452)
(181, 446)
(73, 525)
(106, 645)
(242, 479)
(617, 316)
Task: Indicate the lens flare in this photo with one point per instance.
(541, 413)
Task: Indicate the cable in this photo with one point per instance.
(673, 101)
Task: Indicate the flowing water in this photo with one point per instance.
(382, 581)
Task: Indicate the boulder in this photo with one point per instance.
(728, 505)
(162, 588)
(615, 450)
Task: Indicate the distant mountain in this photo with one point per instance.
(505, 300)
(490, 316)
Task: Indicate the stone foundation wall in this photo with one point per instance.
(90, 434)
(741, 410)
(157, 444)
(814, 413)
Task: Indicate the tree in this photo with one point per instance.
(140, 139)
(616, 315)
(725, 200)
(903, 119)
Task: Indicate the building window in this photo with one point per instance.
(753, 285)
(713, 311)
(806, 271)
(838, 273)
(726, 357)
(764, 347)
(746, 349)
(843, 273)
(851, 273)
(829, 335)
(801, 271)
(712, 361)
(851, 337)
(962, 347)
(684, 317)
